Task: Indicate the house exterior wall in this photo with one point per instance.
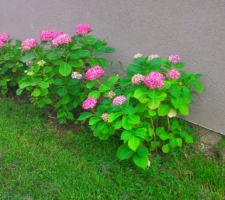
(195, 29)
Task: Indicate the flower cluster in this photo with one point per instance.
(89, 103)
(119, 100)
(94, 73)
(138, 55)
(153, 56)
(174, 59)
(137, 79)
(105, 117)
(61, 39)
(111, 94)
(173, 74)
(83, 29)
(154, 80)
(48, 35)
(29, 44)
(76, 75)
(4, 37)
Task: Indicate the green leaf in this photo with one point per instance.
(163, 135)
(90, 39)
(125, 136)
(19, 91)
(76, 54)
(94, 94)
(53, 55)
(43, 84)
(85, 115)
(141, 95)
(94, 120)
(27, 57)
(134, 142)
(141, 133)
(179, 142)
(117, 125)
(123, 152)
(109, 83)
(65, 69)
(36, 92)
(163, 110)
(184, 110)
(125, 123)
(91, 84)
(166, 148)
(133, 119)
(113, 117)
(141, 157)
(189, 139)
(150, 132)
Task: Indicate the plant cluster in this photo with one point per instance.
(64, 74)
(144, 107)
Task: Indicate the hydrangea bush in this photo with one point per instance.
(64, 75)
(144, 108)
(62, 69)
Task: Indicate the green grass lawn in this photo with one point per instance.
(39, 160)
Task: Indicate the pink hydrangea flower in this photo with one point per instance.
(119, 100)
(1, 44)
(83, 29)
(174, 59)
(173, 74)
(61, 39)
(154, 80)
(105, 117)
(89, 103)
(76, 75)
(137, 79)
(111, 94)
(48, 35)
(29, 44)
(94, 73)
(4, 37)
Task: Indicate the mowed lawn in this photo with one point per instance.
(39, 160)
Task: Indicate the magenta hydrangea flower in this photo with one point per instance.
(4, 37)
(61, 39)
(137, 79)
(94, 73)
(1, 44)
(48, 35)
(29, 44)
(119, 100)
(89, 103)
(105, 117)
(173, 74)
(154, 80)
(83, 29)
(174, 59)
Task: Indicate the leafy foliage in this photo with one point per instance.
(11, 68)
(150, 118)
(48, 78)
(143, 109)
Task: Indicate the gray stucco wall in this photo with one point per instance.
(195, 29)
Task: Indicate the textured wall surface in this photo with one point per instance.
(195, 29)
